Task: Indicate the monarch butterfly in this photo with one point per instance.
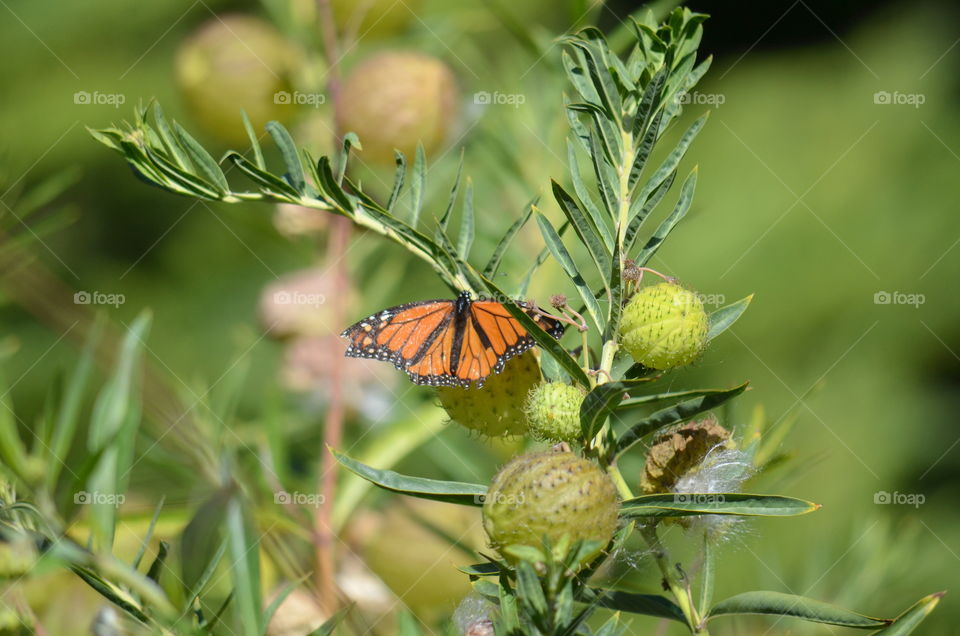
(446, 342)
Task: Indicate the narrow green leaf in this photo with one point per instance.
(467, 223)
(493, 265)
(607, 181)
(732, 503)
(673, 159)
(560, 253)
(281, 597)
(331, 188)
(200, 541)
(244, 567)
(350, 140)
(291, 157)
(639, 211)
(331, 624)
(675, 415)
(481, 569)
(254, 141)
(586, 229)
(612, 627)
(708, 573)
(679, 211)
(452, 200)
(600, 220)
(590, 41)
(418, 187)
(645, 604)
(398, 178)
(180, 180)
(170, 142)
(723, 318)
(642, 401)
(579, 76)
(911, 619)
(529, 591)
(268, 182)
(67, 416)
(640, 157)
(780, 604)
(146, 538)
(202, 159)
(153, 573)
(449, 491)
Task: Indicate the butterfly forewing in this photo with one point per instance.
(445, 342)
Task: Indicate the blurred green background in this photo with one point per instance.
(819, 192)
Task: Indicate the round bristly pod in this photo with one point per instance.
(553, 411)
(395, 99)
(235, 62)
(664, 326)
(550, 495)
(497, 408)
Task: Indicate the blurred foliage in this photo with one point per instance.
(833, 197)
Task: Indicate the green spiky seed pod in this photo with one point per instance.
(552, 495)
(495, 409)
(664, 326)
(553, 411)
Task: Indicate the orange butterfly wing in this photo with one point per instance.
(446, 342)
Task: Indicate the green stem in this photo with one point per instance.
(679, 589)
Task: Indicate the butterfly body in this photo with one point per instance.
(446, 342)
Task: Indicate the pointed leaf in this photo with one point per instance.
(909, 620)
(398, 178)
(560, 253)
(202, 159)
(734, 503)
(675, 415)
(449, 491)
(291, 158)
(679, 211)
(723, 318)
(254, 142)
(780, 604)
(418, 187)
(467, 223)
(585, 228)
(493, 265)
